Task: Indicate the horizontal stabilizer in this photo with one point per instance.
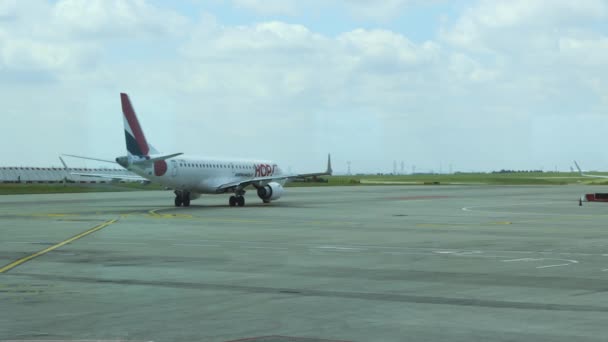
(155, 159)
(89, 158)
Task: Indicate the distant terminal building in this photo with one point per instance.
(25, 174)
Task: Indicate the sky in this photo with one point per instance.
(471, 85)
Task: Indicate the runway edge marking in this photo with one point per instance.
(25, 259)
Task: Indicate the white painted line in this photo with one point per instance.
(522, 259)
(117, 243)
(554, 265)
(262, 247)
(193, 245)
(488, 209)
(568, 262)
(365, 247)
(467, 253)
(407, 253)
(433, 254)
(458, 253)
(340, 248)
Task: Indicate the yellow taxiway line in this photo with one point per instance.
(18, 262)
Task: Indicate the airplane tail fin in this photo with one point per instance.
(329, 170)
(137, 145)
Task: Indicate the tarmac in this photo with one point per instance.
(364, 263)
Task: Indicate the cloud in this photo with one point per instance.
(361, 9)
(534, 51)
(378, 10)
(115, 18)
(268, 7)
(492, 25)
(287, 64)
(70, 35)
(492, 78)
(587, 51)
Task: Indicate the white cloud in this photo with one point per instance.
(384, 44)
(273, 87)
(379, 10)
(288, 7)
(280, 62)
(492, 25)
(70, 35)
(538, 49)
(466, 69)
(590, 51)
(115, 18)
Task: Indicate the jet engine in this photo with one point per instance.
(270, 192)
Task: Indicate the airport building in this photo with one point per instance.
(57, 175)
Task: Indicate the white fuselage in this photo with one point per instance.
(204, 175)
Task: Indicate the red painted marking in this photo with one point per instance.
(596, 198)
(414, 198)
(129, 112)
(160, 168)
(263, 170)
(278, 338)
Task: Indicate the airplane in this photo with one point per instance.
(191, 176)
(585, 174)
(595, 197)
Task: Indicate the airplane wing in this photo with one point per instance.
(112, 177)
(261, 181)
(585, 174)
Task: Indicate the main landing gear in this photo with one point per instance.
(237, 199)
(182, 198)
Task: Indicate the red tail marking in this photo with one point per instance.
(127, 110)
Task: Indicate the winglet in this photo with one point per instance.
(586, 174)
(65, 166)
(329, 170)
(67, 170)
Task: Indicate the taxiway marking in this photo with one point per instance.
(18, 262)
(193, 245)
(568, 262)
